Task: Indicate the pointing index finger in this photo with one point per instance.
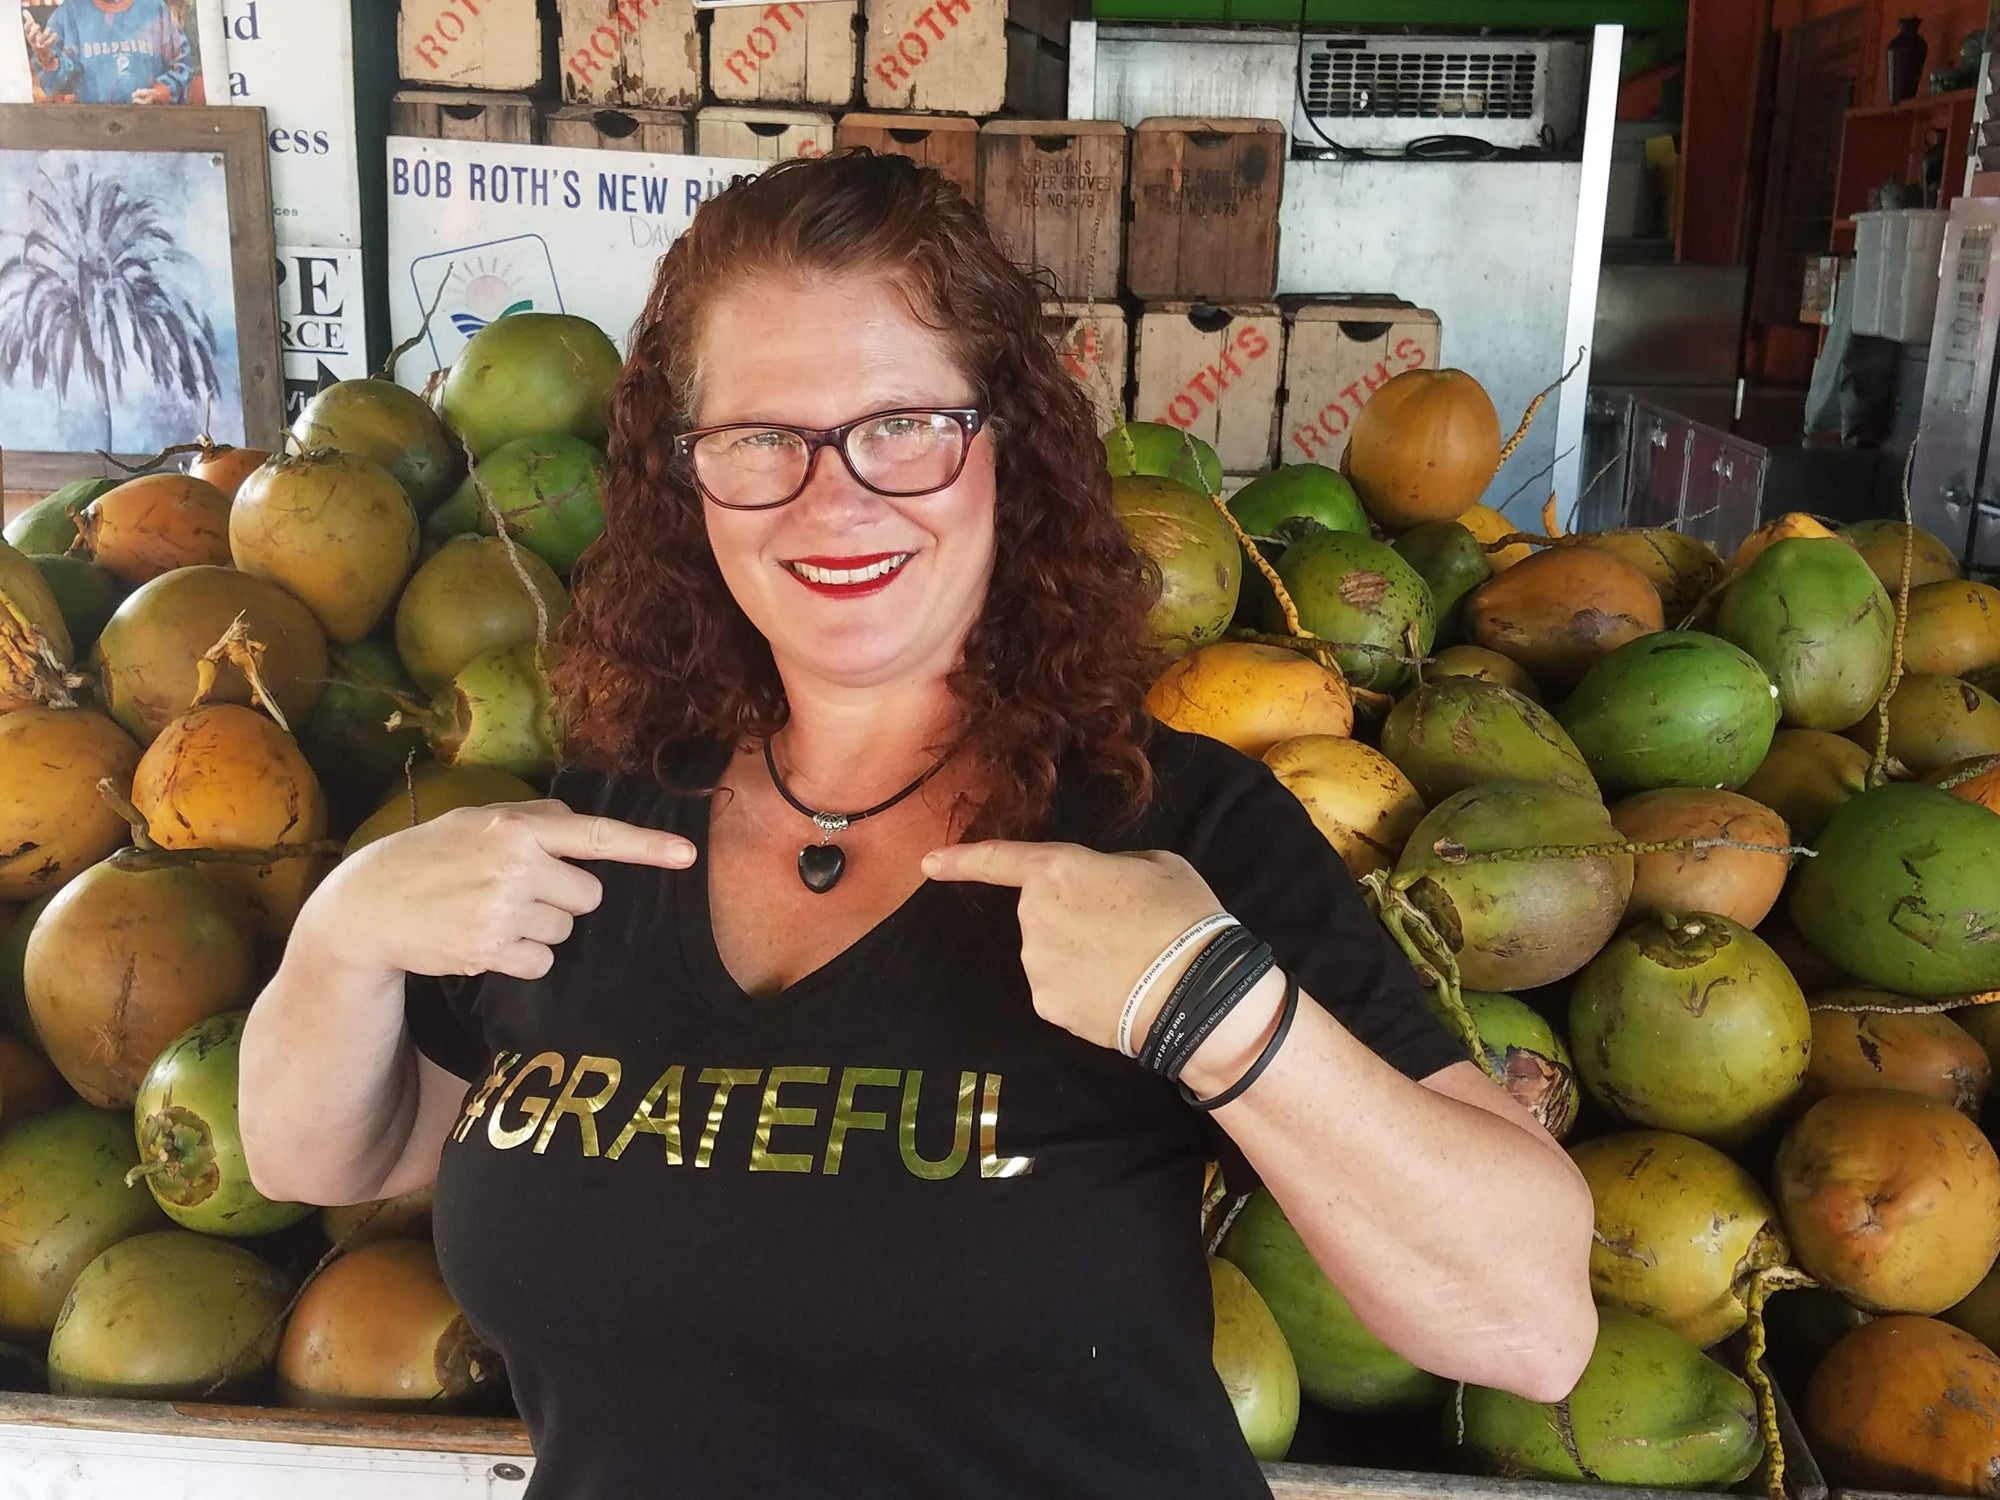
(995, 862)
(574, 835)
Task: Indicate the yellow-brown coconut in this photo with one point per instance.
(1934, 721)
(35, 644)
(223, 776)
(1880, 544)
(335, 529)
(1365, 807)
(1785, 528)
(227, 468)
(1890, 1199)
(1487, 525)
(1424, 448)
(1974, 779)
(1910, 1405)
(377, 1330)
(1562, 611)
(434, 790)
(1487, 666)
(1805, 775)
(1736, 883)
(1250, 696)
(154, 524)
(54, 823)
(1681, 568)
(1918, 1052)
(1954, 628)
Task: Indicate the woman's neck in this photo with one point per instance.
(841, 745)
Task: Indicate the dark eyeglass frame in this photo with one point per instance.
(971, 419)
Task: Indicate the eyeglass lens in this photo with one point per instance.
(904, 453)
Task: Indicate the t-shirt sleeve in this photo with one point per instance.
(1273, 870)
(439, 1012)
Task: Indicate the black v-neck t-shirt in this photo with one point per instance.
(887, 1232)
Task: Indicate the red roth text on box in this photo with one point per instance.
(763, 41)
(600, 49)
(935, 22)
(1320, 430)
(1204, 388)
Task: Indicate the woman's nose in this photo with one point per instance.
(831, 490)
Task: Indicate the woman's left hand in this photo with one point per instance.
(1091, 923)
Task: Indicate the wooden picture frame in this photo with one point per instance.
(209, 290)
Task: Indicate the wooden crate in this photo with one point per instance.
(662, 130)
(1205, 209)
(762, 134)
(1214, 371)
(938, 56)
(630, 52)
(1339, 351)
(1095, 342)
(1054, 192)
(434, 115)
(948, 142)
(783, 54)
(471, 44)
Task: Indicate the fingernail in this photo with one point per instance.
(932, 864)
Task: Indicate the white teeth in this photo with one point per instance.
(868, 574)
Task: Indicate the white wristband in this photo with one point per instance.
(1172, 951)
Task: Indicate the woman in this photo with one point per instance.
(793, 1157)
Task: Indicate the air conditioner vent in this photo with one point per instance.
(1345, 83)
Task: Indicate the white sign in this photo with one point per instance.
(321, 326)
(296, 59)
(483, 229)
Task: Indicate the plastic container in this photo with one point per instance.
(1896, 256)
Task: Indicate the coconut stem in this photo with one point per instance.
(1753, 1291)
(1878, 769)
(514, 561)
(1455, 853)
(146, 1170)
(1251, 550)
(1908, 1007)
(26, 653)
(410, 785)
(1528, 416)
(388, 371)
(238, 648)
(147, 465)
(1430, 956)
(1566, 1435)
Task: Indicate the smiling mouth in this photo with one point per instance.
(850, 572)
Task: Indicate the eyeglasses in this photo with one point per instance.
(762, 465)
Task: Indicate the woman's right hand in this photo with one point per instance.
(477, 890)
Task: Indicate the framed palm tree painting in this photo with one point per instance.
(138, 297)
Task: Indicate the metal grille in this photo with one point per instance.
(1357, 83)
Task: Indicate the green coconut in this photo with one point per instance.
(1162, 451)
(469, 600)
(549, 490)
(1279, 508)
(169, 1316)
(457, 516)
(86, 594)
(1523, 921)
(1527, 1057)
(1341, 1364)
(63, 1200)
(1819, 622)
(1673, 709)
(380, 421)
(1448, 558)
(1651, 1409)
(1451, 733)
(498, 713)
(1361, 594)
(527, 373)
(1199, 561)
(48, 527)
(1905, 892)
(1934, 721)
(190, 1148)
(1691, 1024)
(1679, 1227)
(1805, 775)
(1254, 1363)
(346, 739)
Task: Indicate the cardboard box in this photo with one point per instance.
(1205, 209)
(762, 134)
(1054, 193)
(434, 115)
(1214, 371)
(630, 52)
(948, 142)
(1339, 351)
(937, 56)
(470, 44)
(662, 130)
(784, 54)
(1095, 342)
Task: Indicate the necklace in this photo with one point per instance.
(821, 865)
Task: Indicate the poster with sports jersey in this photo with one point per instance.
(481, 229)
(296, 59)
(116, 52)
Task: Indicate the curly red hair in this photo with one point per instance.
(657, 652)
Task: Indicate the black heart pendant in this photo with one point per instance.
(821, 866)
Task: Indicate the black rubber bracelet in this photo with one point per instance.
(1218, 952)
(1203, 1008)
(1235, 1091)
(1241, 983)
